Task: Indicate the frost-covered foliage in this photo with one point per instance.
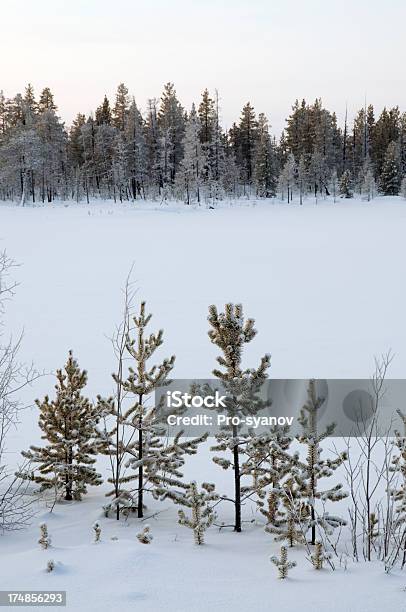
(315, 468)
(97, 531)
(201, 507)
(319, 556)
(45, 539)
(117, 151)
(230, 331)
(68, 423)
(154, 461)
(282, 563)
(145, 536)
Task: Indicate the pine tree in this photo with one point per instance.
(290, 523)
(319, 556)
(282, 563)
(316, 468)
(156, 462)
(399, 467)
(200, 504)
(120, 108)
(265, 161)
(390, 176)
(103, 113)
(229, 332)
(136, 152)
(345, 184)
(191, 171)
(69, 425)
(45, 539)
(97, 532)
(145, 536)
(367, 180)
(46, 101)
(171, 122)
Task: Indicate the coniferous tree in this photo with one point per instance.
(68, 424)
(282, 563)
(120, 108)
(390, 177)
(316, 468)
(200, 504)
(229, 332)
(156, 462)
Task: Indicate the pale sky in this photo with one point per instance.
(267, 51)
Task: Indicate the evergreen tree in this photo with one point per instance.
(120, 108)
(156, 462)
(103, 113)
(46, 101)
(171, 122)
(229, 332)
(191, 171)
(345, 184)
(316, 468)
(68, 424)
(282, 563)
(200, 504)
(265, 161)
(390, 177)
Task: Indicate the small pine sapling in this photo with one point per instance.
(50, 565)
(203, 514)
(316, 468)
(282, 563)
(97, 532)
(68, 422)
(145, 536)
(230, 331)
(319, 556)
(45, 539)
(292, 522)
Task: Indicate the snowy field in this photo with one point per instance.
(325, 284)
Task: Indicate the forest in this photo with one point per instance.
(168, 152)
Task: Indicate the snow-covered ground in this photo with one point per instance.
(325, 285)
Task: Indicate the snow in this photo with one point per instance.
(324, 283)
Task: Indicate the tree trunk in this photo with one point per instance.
(237, 486)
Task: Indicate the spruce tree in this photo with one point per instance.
(230, 332)
(68, 423)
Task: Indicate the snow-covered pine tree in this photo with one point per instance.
(292, 521)
(200, 504)
(319, 556)
(390, 177)
(282, 563)
(268, 462)
(68, 423)
(316, 468)
(229, 332)
(345, 184)
(97, 531)
(287, 178)
(145, 536)
(45, 539)
(265, 173)
(367, 180)
(191, 170)
(399, 466)
(155, 460)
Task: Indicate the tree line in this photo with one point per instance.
(169, 152)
